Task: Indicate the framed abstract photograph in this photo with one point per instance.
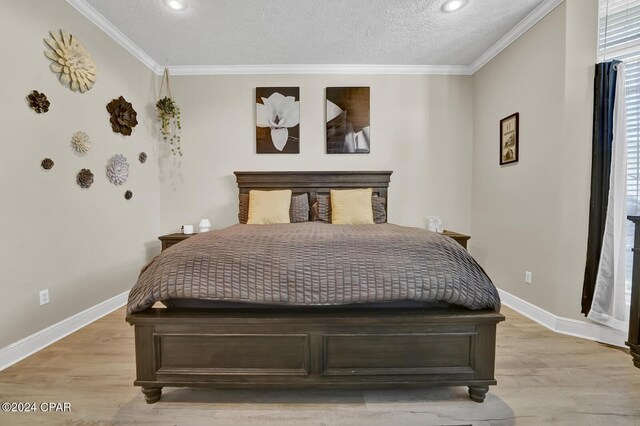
(278, 120)
(348, 130)
(509, 138)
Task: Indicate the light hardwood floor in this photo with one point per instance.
(543, 378)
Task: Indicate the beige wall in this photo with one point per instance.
(421, 128)
(439, 134)
(85, 246)
(533, 215)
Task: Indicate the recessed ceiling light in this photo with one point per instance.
(453, 5)
(176, 4)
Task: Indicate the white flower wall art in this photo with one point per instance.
(278, 120)
(71, 60)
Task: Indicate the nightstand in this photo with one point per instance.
(173, 239)
(460, 238)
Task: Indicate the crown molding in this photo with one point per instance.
(320, 69)
(101, 22)
(529, 21)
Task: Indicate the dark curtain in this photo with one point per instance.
(605, 88)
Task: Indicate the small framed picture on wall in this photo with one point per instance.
(509, 139)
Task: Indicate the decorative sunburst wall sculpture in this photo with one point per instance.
(71, 60)
(80, 142)
(117, 169)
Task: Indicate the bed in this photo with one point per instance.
(284, 345)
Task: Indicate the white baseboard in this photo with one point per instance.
(583, 329)
(21, 349)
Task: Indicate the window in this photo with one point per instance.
(619, 38)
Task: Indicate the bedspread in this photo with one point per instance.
(316, 263)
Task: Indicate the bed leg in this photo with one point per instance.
(152, 395)
(478, 393)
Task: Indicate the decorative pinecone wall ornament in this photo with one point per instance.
(123, 116)
(47, 163)
(80, 142)
(142, 157)
(84, 178)
(128, 195)
(71, 60)
(117, 169)
(38, 102)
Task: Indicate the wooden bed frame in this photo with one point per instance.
(299, 348)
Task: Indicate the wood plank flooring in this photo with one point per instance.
(543, 378)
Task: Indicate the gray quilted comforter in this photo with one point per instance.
(315, 263)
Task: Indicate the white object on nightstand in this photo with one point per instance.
(187, 229)
(435, 224)
(205, 225)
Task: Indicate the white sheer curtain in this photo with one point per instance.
(609, 305)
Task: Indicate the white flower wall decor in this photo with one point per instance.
(80, 142)
(117, 169)
(278, 120)
(71, 60)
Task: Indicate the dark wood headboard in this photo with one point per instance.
(315, 183)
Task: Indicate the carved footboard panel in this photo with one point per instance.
(263, 349)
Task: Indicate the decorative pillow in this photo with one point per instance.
(243, 208)
(379, 211)
(298, 212)
(269, 207)
(351, 207)
(321, 209)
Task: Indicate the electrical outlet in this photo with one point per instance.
(527, 277)
(44, 297)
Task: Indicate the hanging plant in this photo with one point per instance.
(169, 114)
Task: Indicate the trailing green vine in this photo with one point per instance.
(169, 114)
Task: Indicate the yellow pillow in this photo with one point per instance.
(351, 207)
(269, 207)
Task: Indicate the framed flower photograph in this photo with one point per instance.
(278, 120)
(348, 122)
(509, 138)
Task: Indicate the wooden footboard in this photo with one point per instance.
(263, 349)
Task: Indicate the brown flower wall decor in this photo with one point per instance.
(84, 178)
(47, 163)
(38, 102)
(142, 157)
(123, 116)
(128, 195)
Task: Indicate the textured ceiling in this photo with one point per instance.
(270, 32)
